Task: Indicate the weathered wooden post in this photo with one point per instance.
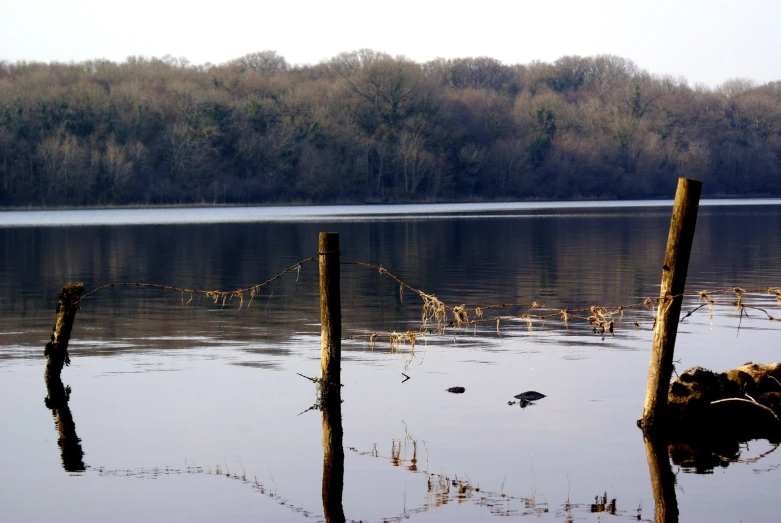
(330, 315)
(676, 265)
(56, 350)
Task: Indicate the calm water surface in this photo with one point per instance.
(195, 412)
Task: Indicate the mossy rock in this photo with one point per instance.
(743, 403)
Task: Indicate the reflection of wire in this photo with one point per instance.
(755, 458)
(219, 470)
(443, 489)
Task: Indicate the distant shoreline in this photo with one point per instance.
(710, 200)
(372, 128)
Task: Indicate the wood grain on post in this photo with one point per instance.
(676, 265)
(330, 313)
(56, 350)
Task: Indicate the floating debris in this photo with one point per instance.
(526, 398)
(529, 395)
(456, 390)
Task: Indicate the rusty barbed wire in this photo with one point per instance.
(437, 317)
(602, 319)
(217, 296)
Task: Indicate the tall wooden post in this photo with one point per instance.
(56, 350)
(330, 314)
(676, 265)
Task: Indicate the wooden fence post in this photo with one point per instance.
(676, 265)
(56, 350)
(330, 314)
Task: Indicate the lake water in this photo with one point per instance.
(194, 411)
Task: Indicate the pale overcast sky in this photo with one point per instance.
(706, 41)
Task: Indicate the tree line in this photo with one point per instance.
(368, 127)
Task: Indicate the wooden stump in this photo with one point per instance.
(56, 350)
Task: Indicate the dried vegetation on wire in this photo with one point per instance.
(219, 297)
(439, 318)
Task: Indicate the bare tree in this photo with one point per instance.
(262, 62)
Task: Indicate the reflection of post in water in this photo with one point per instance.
(69, 442)
(333, 458)
(662, 479)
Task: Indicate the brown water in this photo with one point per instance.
(196, 412)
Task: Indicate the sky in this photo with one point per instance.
(704, 41)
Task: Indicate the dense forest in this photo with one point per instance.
(368, 127)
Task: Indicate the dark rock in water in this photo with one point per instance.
(709, 414)
(742, 403)
(529, 395)
(456, 390)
